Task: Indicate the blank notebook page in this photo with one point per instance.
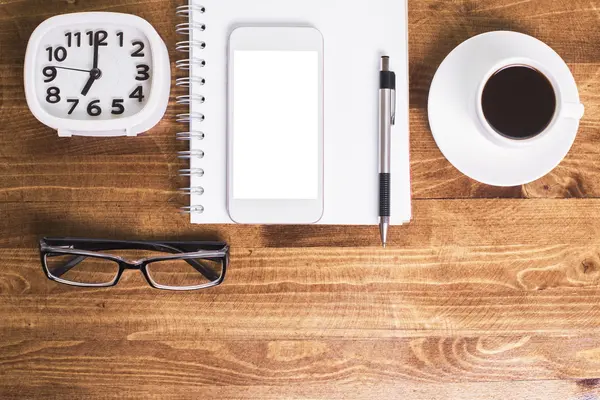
(356, 35)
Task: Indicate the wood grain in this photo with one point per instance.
(332, 294)
(490, 293)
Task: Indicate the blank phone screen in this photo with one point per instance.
(275, 125)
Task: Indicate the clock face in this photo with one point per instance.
(93, 71)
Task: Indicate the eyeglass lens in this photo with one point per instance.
(81, 269)
(185, 273)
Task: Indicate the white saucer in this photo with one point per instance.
(456, 124)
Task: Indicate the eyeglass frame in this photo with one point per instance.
(212, 250)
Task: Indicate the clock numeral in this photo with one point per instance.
(140, 47)
(60, 53)
(118, 108)
(53, 95)
(50, 73)
(137, 94)
(75, 103)
(101, 37)
(93, 109)
(70, 36)
(142, 71)
(120, 35)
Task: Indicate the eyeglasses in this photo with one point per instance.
(100, 263)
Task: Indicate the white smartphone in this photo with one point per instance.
(275, 125)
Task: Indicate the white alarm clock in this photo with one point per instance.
(97, 74)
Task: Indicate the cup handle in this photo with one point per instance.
(572, 110)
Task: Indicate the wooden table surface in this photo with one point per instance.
(490, 293)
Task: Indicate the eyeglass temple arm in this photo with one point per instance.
(63, 269)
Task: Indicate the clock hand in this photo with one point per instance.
(94, 75)
(72, 69)
(96, 50)
(88, 86)
(95, 72)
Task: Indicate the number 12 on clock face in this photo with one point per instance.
(96, 70)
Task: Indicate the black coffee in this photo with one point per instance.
(519, 102)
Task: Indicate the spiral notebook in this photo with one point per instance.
(356, 35)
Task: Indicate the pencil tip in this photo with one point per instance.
(383, 230)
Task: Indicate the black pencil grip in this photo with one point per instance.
(385, 194)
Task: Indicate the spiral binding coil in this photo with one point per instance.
(187, 81)
(188, 64)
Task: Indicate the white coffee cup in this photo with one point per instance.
(564, 109)
(460, 127)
